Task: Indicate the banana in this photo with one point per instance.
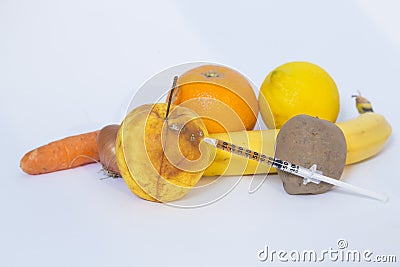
(365, 137)
(226, 163)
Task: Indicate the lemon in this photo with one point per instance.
(298, 88)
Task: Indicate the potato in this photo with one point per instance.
(305, 140)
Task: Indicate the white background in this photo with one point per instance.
(68, 67)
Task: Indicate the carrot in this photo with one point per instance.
(62, 154)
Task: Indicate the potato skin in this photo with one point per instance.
(306, 140)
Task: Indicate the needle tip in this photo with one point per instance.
(210, 141)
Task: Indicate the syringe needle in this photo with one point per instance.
(210, 141)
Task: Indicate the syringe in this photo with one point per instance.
(308, 174)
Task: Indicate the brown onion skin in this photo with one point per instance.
(106, 146)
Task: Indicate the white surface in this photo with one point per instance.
(68, 67)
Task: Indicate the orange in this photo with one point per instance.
(221, 96)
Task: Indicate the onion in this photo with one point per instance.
(106, 146)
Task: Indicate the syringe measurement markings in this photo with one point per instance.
(274, 162)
